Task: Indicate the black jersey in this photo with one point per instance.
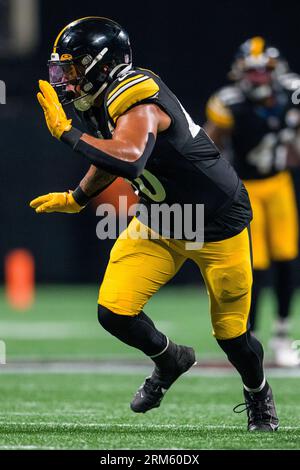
(258, 133)
(185, 167)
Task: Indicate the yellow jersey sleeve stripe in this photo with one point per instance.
(219, 114)
(131, 94)
(132, 83)
(124, 82)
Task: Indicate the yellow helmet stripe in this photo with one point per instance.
(257, 45)
(73, 23)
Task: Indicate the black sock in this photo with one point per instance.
(246, 354)
(258, 283)
(284, 286)
(260, 395)
(137, 331)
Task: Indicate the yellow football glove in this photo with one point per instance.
(56, 202)
(55, 116)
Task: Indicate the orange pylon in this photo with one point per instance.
(20, 279)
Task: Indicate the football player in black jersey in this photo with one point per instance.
(149, 139)
(256, 119)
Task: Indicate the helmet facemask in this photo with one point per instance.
(67, 77)
(257, 72)
(88, 54)
(257, 83)
(82, 80)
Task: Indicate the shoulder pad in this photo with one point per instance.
(289, 81)
(230, 95)
(218, 107)
(129, 90)
(140, 69)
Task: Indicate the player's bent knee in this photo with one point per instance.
(229, 325)
(108, 318)
(103, 315)
(232, 295)
(224, 329)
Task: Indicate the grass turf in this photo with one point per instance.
(90, 411)
(62, 324)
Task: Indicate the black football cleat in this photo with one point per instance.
(261, 412)
(151, 393)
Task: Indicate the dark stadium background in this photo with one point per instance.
(189, 44)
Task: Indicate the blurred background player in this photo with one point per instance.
(256, 120)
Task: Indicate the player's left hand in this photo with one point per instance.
(56, 202)
(55, 116)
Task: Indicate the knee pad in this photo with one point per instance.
(232, 284)
(231, 296)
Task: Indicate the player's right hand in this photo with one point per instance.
(56, 118)
(56, 202)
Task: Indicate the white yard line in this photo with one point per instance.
(39, 330)
(106, 427)
(27, 448)
(126, 368)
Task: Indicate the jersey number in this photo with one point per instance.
(270, 153)
(149, 185)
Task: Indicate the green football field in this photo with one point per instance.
(67, 383)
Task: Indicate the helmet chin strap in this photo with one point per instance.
(86, 101)
(123, 71)
(262, 92)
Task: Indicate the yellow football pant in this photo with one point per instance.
(139, 267)
(274, 228)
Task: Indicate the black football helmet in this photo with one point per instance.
(256, 68)
(87, 55)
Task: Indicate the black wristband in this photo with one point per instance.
(80, 197)
(71, 137)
